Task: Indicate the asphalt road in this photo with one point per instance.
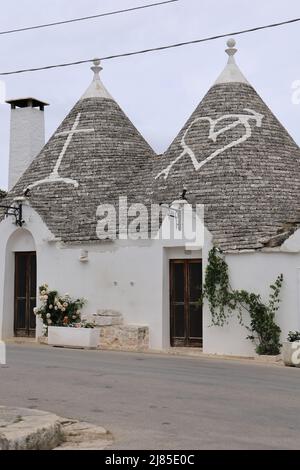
(157, 401)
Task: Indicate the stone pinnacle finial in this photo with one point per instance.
(231, 49)
(96, 68)
(231, 73)
(96, 88)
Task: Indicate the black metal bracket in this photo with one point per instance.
(16, 211)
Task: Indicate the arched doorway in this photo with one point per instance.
(20, 285)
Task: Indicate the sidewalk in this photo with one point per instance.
(174, 351)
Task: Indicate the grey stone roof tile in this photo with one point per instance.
(249, 190)
(107, 163)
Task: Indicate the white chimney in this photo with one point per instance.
(27, 135)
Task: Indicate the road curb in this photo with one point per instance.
(26, 429)
(23, 429)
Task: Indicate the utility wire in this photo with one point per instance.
(154, 49)
(85, 18)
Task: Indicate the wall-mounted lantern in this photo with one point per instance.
(16, 210)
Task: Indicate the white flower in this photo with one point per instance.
(49, 322)
(55, 308)
(44, 331)
(43, 292)
(50, 307)
(65, 304)
(48, 315)
(45, 297)
(35, 310)
(63, 309)
(74, 317)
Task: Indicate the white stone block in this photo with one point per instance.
(291, 353)
(104, 318)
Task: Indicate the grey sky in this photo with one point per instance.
(158, 91)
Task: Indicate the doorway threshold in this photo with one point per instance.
(20, 340)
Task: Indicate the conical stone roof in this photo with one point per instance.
(95, 156)
(235, 157)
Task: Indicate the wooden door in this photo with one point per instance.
(25, 293)
(186, 311)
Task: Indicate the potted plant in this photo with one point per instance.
(61, 318)
(79, 336)
(291, 349)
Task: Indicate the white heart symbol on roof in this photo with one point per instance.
(238, 119)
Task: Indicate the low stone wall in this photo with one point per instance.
(126, 337)
(115, 335)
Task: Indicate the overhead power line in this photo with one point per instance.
(85, 18)
(154, 49)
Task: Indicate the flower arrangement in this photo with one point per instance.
(293, 336)
(58, 310)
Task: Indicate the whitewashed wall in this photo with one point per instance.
(27, 138)
(133, 278)
(255, 272)
(130, 277)
(14, 239)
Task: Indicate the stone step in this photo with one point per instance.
(104, 318)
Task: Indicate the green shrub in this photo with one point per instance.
(223, 300)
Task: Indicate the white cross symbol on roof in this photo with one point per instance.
(54, 175)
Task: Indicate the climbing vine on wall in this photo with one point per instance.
(224, 301)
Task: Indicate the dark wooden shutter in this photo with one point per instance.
(185, 310)
(25, 293)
